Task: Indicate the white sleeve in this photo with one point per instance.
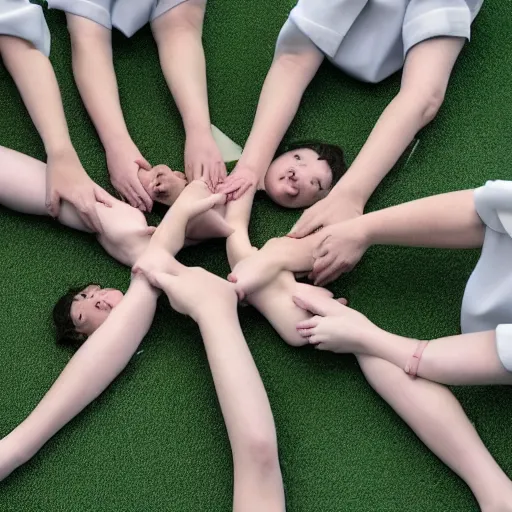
(493, 203)
(22, 19)
(504, 345)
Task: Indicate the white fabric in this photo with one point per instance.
(22, 19)
(487, 302)
(369, 39)
(128, 16)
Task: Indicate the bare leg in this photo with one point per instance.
(439, 421)
(23, 188)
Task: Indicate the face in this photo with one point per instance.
(297, 179)
(92, 306)
(162, 184)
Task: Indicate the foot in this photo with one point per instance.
(162, 183)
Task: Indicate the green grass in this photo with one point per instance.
(155, 440)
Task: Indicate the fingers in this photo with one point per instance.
(343, 301)
(160, 280)
(150, 230)
(232, 278)
(143, 163)
(307, 325)
(141, 194)
(53, 203)
(103, 197)
(305, 226)
(320, 265)
(314, 304)
(329, 274)
(90, 218)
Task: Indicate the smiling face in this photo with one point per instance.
(298, 179)
(91, 307)
(162, 183)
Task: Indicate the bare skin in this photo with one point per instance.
(109, 348)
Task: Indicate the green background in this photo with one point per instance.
(155, 440)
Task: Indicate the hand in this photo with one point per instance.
(340, 249)
(256, 271)
(196, 198)
(194, 291)
(335, 327)
(330, 210)
(238, 183)
(124, 162)
(203, 160)
(67, 179)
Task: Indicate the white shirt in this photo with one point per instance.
(369, 39)
(487, 302)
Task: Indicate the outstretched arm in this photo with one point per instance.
(93, 69)
(444, 221)
(466, 359)
(94, 366)
(290, 74)
(178, 33)
(211, 302)
(247, 414)
(67, 178)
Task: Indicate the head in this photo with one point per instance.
(162, 183)
(81, 311)
(304, 174)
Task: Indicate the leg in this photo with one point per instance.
(439, 421)
(23, 188)
(427, 69)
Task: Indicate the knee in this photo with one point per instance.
(426, 101)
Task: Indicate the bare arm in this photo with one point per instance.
(446, 220)
(286, 81)
(94, 366)
(247, 414)
(35, 79)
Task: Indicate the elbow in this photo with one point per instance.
(260, 452)
(424, 102)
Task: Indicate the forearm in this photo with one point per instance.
(170, 233)
(34, 76)
(445, 221)
(95, 365)
(466, 359)
(240, 391)
(288, 78)
(238, 214)
(394, 131)
(95, 78)
(183, 64)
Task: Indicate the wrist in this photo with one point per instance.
(116, 141)
(59, 149)
(345, 192)
(199, 129)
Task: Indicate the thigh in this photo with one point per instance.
(429, 64)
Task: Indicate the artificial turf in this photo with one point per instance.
(155, 440)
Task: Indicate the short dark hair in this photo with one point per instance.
(331, 153)
(66, 333)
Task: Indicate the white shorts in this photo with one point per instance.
(128, 16)
(22, 19)
(370, 39)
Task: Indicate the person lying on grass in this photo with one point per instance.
(481, 355)
(126, 235)
(211, 302)
(298, 176)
